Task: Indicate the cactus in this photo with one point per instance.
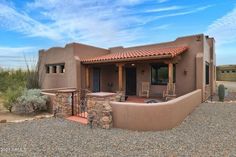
(221, 92)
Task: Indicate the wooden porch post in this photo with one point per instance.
(120, 75)
(170, 69)
(87, 77)
(170, 78)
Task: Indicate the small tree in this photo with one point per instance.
(32, 76)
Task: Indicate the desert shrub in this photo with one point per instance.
(10, 97)
(12, 79)
(31, 101)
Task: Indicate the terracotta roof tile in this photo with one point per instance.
(137, 53)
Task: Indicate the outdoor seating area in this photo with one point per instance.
(138, 99)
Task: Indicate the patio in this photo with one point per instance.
(138, 99)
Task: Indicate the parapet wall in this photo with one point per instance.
(155, 116)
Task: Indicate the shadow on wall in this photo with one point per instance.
(156, 116)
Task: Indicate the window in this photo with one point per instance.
(47, 69)
(227, 71)
(54, 69)
(222, 71)
(233, 71)
(207, 73)
(62, 68)
(159, 74)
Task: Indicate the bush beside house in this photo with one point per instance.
(31, 101)
(21, 92)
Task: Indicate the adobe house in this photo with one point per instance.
(226, 73)
(180, 66)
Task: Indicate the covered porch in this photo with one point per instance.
(138, 77)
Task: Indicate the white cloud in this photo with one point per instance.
(11, 19)
(130, 2)
(162, 27)
(84, 21)
(103, 23)
(15, 57)
(224, 28)
(177, 13)
(164, 9)
(16, 51)
(162, 1)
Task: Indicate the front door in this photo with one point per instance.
(96, 80)
(130, 81)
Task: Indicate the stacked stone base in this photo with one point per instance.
(63, 106)
(100, 111)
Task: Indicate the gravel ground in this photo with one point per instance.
(209, 131)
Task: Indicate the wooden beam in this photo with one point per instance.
(170, 86)
(170, 72)
(120, 75)
(87, 77)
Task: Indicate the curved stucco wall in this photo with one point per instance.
(156, 116)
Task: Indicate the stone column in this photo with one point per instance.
(99, 109)
(63, 105)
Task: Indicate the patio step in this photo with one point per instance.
(78, 119)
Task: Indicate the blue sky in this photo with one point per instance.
(29, 25)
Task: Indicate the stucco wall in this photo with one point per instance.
(82, 51)
(70, 55)
(56, 56)
(186, 82)
(156, 116)
(193, 78)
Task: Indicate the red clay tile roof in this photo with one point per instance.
(138, 53)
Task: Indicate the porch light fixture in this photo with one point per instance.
(142, 71)
(185, 72)
(132, 64)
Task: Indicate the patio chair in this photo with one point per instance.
(145, 89)
(169, 93)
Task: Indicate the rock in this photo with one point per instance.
(107, 126)
(105, 119)
(3, 121)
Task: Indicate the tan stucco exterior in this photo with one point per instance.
(154, 116)
(190, 67)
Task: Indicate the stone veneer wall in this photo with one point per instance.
(100, 111)
(63, 104)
